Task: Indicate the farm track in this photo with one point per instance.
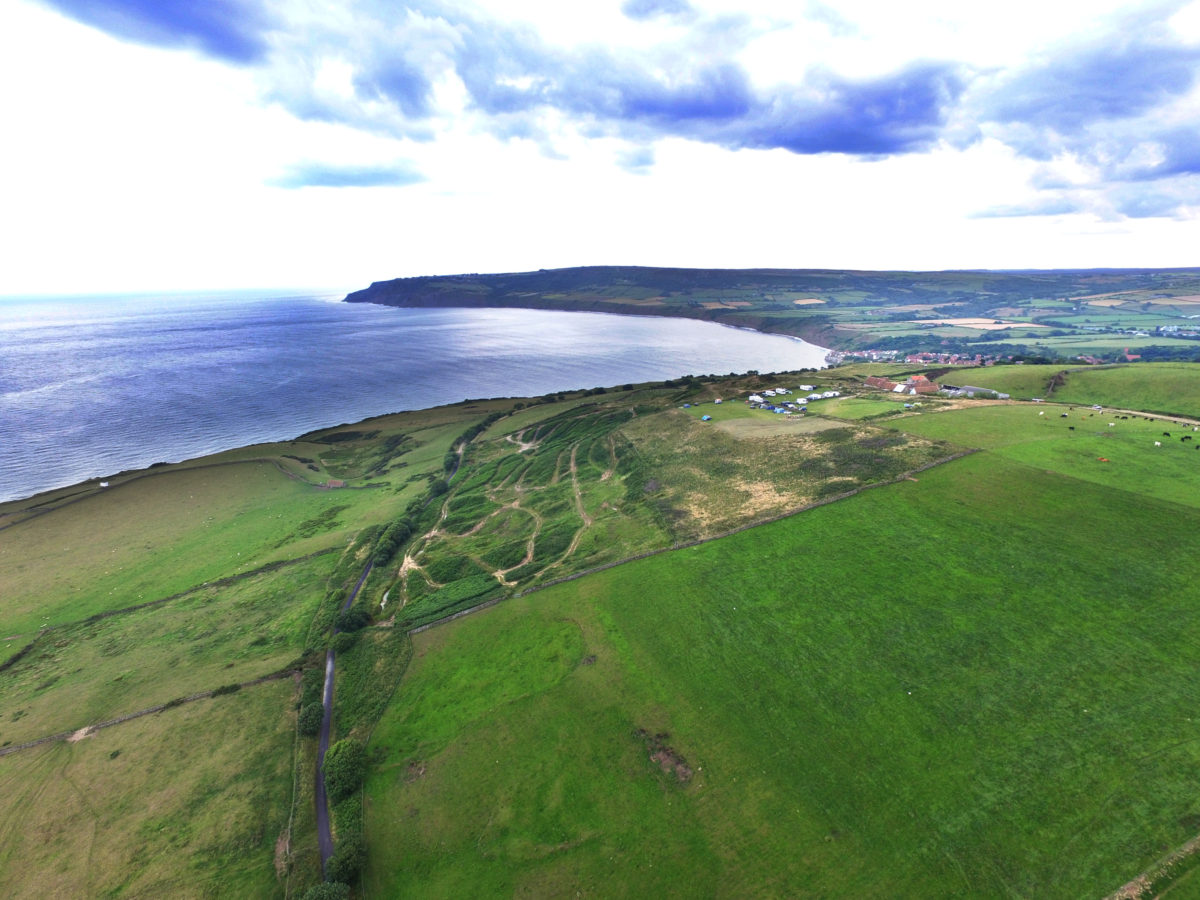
(77, 734)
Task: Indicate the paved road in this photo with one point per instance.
(324, 836)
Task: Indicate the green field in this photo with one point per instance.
(186, 803)
(939, 688)
(1171, 388)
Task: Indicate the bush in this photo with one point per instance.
(330, 890)
(345, 767)
(343, 641)
(312, 682)
(352, 619)
(347, 860)
(310, 718)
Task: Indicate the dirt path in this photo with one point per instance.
(500, 574)
(519, 440)
(587, 520)
(612, 456)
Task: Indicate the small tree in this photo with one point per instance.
(352, 619)
(310, 718)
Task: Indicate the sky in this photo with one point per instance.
(220, 144)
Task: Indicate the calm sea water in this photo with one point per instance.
(92, 386)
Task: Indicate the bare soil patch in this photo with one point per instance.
(670, 760)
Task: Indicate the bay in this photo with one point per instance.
(93, 386)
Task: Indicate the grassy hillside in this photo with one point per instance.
(910, 677)
(1156, 387)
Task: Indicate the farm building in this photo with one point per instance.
(883, 384)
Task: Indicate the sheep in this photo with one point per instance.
(1158, 443)
(1166, 434)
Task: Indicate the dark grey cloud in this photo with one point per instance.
(324, 175)
(231, 30)
(652, 9)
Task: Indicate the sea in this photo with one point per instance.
(90, 386)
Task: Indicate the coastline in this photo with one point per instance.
(208, 419)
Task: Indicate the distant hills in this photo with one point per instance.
(849, 309)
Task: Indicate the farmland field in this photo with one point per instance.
(932, 689)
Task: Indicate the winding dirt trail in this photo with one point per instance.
(587, 520)
(612, 456)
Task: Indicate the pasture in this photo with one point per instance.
(1122, 455)
(1170, 388)
(940, 688)
(187, 803)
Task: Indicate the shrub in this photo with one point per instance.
(345, 766)
(330, 890)
(348, 858)
(310, 718)
(312, 682)
(343, 641)
(352, 619)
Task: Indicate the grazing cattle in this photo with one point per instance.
(1186, 437)
(1158, 443)
(1166, 434)
(1063, 416)
(1112, 424)
(1072, 427)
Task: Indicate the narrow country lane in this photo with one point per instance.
(324, 836)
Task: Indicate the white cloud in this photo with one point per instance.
(141, 168)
